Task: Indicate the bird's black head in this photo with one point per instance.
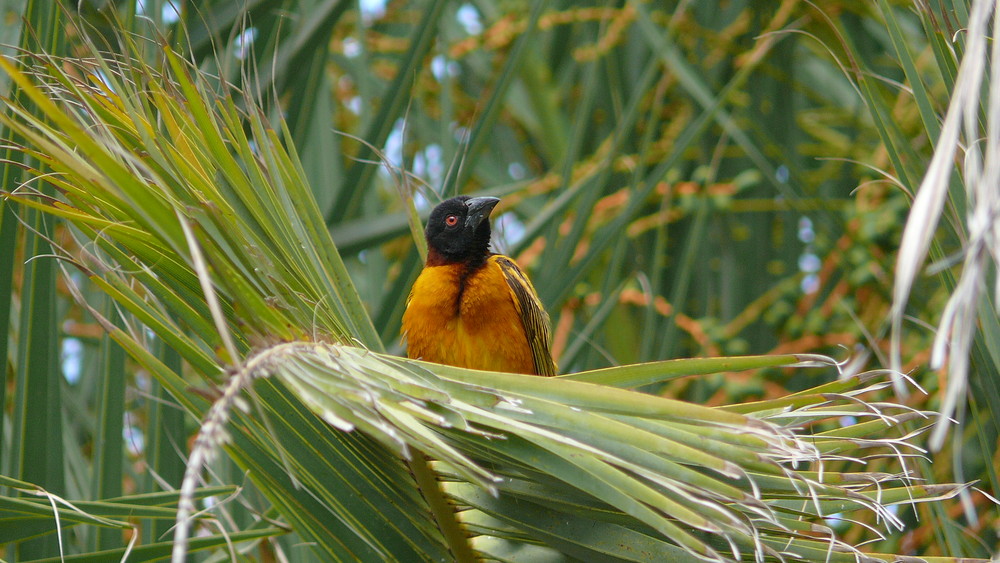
(459, 230)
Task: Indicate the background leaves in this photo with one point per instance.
(679, 181)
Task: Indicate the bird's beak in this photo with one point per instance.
(479, 210)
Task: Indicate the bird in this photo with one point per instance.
(471, 307)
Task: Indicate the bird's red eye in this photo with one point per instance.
(451, 220)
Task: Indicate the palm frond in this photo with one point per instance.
(965, 136)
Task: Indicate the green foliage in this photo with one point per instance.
(698, 179)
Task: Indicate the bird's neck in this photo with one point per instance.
(470, 263)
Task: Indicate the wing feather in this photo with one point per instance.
(533, 315)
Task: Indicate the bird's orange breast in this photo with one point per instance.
(466, 320)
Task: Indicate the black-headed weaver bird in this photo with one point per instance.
(471, 307)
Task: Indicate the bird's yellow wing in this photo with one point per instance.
(533, 316)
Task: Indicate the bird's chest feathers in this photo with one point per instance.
(451, 297)
(454, 314)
